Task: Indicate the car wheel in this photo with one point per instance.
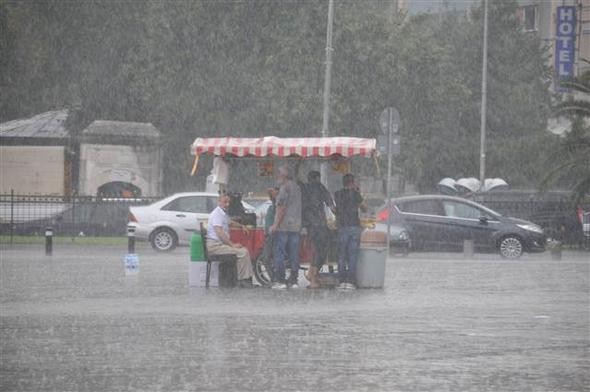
(164, 239)
(511, 247)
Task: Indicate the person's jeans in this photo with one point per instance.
(349, 239)
(286, 248)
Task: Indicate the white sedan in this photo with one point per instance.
(171, 221)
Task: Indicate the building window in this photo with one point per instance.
(529, 17)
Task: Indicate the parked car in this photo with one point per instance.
(261, 211)
(171, 221)
(400, 242)
(255, 199)
(442, 223)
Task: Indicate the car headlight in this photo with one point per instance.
(404, 236)
(531, 227)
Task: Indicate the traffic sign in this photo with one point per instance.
(389, 120)
(395, 145)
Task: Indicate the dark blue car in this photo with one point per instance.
(443, 223)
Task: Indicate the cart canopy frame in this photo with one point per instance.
(272, 146)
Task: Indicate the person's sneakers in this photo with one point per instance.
(346, 286)
(294, 286)
(278, 286)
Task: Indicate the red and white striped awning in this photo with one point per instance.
(284, 147)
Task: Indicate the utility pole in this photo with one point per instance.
(327, 82)
(484, 79)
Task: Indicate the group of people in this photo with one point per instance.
(296, 206)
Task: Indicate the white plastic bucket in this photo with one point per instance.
(197, 274)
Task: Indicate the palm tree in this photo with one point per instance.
(572, 157)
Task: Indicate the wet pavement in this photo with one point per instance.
(75, 322)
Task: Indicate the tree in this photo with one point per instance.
(442, 101)
(571, 162)
(205, 68)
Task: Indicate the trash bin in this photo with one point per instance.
(370, 270)
(555, 248)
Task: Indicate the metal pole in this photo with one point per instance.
(484, 80)
(327, 83)
(74, 227)
(388, 189)
(48, 241)
(130, 239)
(11, 215)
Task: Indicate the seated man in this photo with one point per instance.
(218, 242)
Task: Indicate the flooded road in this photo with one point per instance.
(75, 322)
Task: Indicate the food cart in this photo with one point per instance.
(336, 149)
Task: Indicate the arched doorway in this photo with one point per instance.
(118, 189)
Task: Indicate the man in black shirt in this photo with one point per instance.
(348, 201)
(315, 198)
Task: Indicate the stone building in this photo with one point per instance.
(116, 153)
(40, 155)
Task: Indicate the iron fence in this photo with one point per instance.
(100, 216)
(67, 215)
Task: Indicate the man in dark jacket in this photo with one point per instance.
(315, 199)
(348, 202)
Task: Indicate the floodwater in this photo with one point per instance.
(75, 322)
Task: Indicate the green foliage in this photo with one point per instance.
(571, 159)
(253, 68)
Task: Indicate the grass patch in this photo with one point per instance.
(38, 239)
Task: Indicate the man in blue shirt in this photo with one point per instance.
(287, 226)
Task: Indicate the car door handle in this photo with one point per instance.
(181, 216)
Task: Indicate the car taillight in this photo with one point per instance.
(383, 215)
(131, 217)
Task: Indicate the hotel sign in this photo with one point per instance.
(565, 38)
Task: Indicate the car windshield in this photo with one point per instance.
(263, 207)
(255, 202)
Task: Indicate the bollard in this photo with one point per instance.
(555, 248)
(468, 248)
(130, 239)
(48, 241)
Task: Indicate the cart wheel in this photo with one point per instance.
(263, 270)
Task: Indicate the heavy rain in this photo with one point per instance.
(328, 195)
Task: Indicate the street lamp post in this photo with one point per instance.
(327, 82)
(484, 78)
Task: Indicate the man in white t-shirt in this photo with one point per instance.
(218, 242)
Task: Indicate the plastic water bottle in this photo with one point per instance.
(131, 264)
